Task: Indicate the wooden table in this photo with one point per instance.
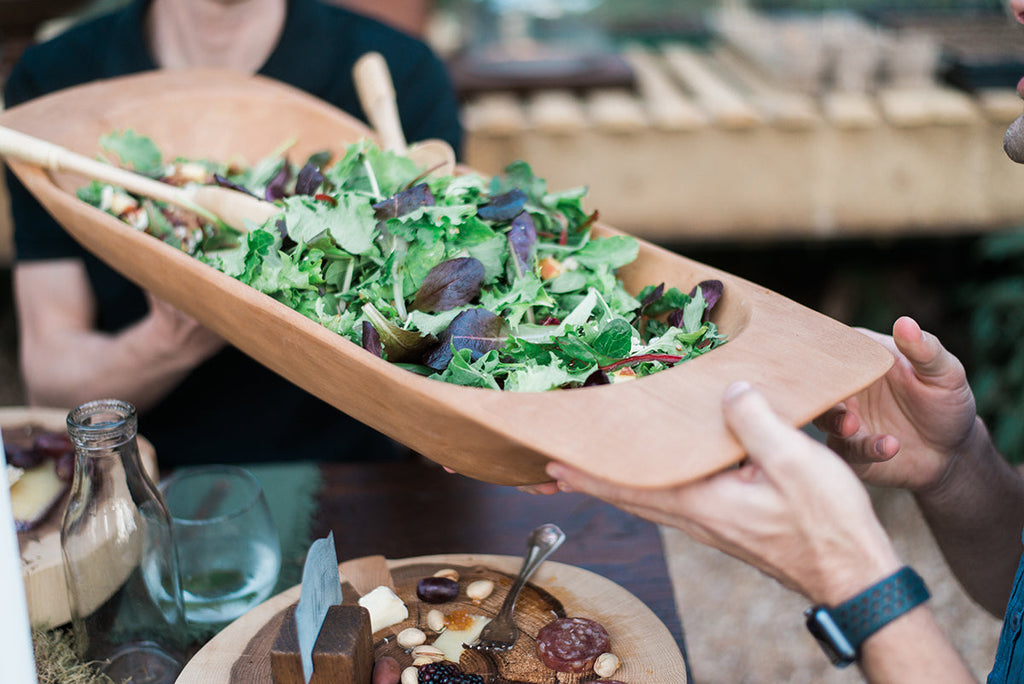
(414, 509)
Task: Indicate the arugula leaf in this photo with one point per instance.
(134, 151)
(610, 253)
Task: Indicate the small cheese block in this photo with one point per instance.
(343, 653)
(385, 607)
(35, 493)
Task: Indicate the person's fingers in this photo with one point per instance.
(544, 488)
(663, 506)
(923, 350)
(838, 421)
(866, 448)
(569, 479)
(764, 436)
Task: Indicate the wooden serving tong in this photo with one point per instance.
(211, 201)
(377, 96)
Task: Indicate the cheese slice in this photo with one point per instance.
(451, 640)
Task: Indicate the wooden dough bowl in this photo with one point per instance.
(42, 566)
(661, 430)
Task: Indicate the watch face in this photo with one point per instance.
(831, 639)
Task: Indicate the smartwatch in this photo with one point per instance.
(840, 630)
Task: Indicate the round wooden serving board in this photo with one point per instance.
(241, 652)
(42, 567)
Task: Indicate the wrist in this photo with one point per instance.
(154, 344)
(973, 450)
(875, 559)
(842, 629)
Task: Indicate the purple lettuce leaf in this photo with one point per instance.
(712, 292)
(522, 238)
(478, 330)
(371, 340)
(504, 207)
(450, 284)
(308, 180)
(277, 187)
(225, 183)
(404, 202)
(653, 296)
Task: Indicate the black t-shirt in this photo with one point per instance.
(231, 408)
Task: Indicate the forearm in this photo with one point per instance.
(976, 514)
(912, 649)
(75, 366)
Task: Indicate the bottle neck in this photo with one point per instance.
(107, 425)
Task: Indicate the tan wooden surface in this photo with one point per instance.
(499, 437)
(42, 566)
(712, 146)
(644, 645)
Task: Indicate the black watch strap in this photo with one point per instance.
(842, 629)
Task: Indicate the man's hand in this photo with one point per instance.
(793, 509)
(180, 335)
(906, 429)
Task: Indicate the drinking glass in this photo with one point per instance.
(228, 550)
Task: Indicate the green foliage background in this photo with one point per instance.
(995, 305)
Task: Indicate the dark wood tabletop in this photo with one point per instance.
(415, 508)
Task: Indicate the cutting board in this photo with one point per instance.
(42, 566)
(241, 652)
(661, 430)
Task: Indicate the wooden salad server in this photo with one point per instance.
(210, 201)
(377, 96)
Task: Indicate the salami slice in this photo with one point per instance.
(571, 644)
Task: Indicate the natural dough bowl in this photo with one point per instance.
(663, 429)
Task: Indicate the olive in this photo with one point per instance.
(65, 466)
(53, 444)
(437, 589)
(21, 457)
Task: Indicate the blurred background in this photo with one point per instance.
(845, 154)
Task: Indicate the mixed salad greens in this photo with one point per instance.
(493, 283)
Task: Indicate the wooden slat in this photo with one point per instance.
(616, 111)
(790, 49)
(1001, 105)
(725, 106)
(667, 106)
(557, 112)
(494, 114)
(778, 105)
(924, 106)
(849, 110)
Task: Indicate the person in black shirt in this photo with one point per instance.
(87, 333)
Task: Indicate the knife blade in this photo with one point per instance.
(321, 589)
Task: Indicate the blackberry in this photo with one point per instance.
(446, 673)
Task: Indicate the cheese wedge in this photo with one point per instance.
(35, 493)
(385, 608)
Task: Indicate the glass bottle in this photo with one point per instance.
(120, 562)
